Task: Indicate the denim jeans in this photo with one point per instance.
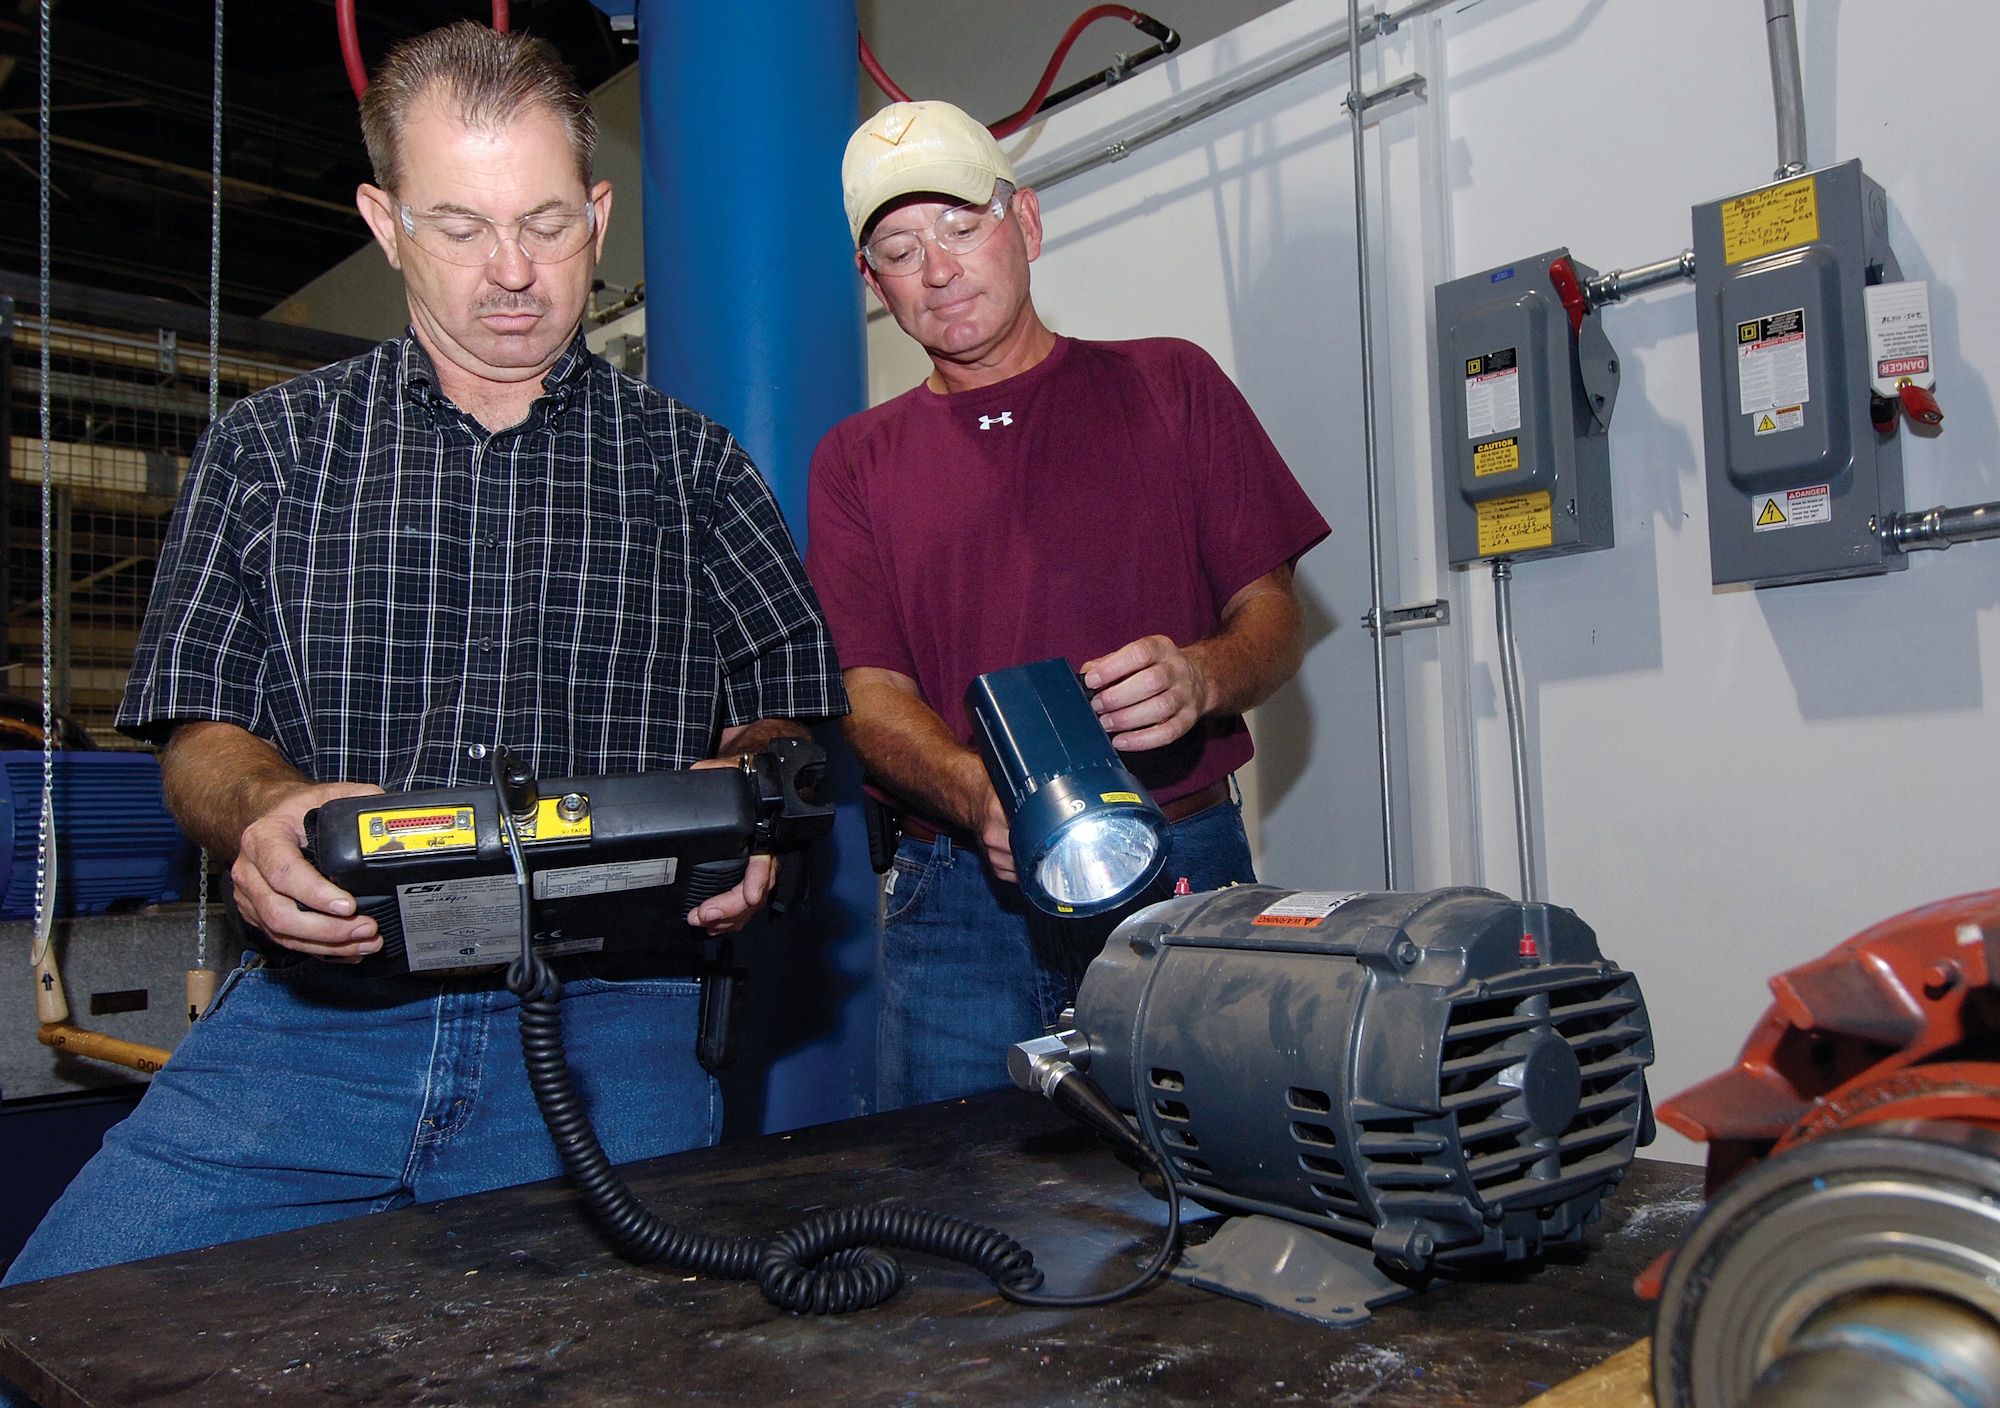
(306, 1094)
(969, 967)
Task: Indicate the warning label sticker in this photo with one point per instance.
(456, 923)
(1795, 508)
(1515, 524)
(1899, 334)
(609, 878)
(1782, 418)
(1766, 221)
(1496, 456)
(1771, 362)
(1492, 394)
(1305, 909)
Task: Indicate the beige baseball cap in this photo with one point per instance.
(910, 147)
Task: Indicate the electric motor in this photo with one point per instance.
(1446, 1077)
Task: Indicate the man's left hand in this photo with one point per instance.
(1148, 693)
(730, 911)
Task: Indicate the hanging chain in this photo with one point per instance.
(44, 840)
(214, 374)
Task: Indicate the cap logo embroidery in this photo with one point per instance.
(895, 126)
(1004, 418)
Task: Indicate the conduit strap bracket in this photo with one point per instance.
(1391, 98)
(1409, 618)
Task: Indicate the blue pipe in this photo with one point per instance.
(754, 317)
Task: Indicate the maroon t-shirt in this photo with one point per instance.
(1112, 491)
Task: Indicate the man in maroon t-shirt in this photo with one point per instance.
(1113, 503)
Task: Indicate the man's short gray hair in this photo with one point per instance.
(490, 77)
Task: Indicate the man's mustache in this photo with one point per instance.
(511, 303)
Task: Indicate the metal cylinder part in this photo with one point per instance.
(1621, 284)
(1867, 1260)
(1940, 527)
(1788, 91)
(1517, 748)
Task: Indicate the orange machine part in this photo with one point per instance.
(1901, 1021)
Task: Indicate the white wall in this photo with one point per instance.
(1727, 781)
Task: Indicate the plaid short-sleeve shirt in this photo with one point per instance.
(359, 572)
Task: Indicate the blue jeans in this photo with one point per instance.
(306, 1094)
(969, 967)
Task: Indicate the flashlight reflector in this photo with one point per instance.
(1095, 857)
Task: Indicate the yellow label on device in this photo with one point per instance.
(1496, 457)
(551, 825)
(406, 830)
(1766, 221)
(1132, 797)
(1515, 524)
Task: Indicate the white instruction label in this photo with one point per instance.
(1492, 394)
(1795, 508)
(571, 881)
(1304, 909)
(458, 923)
(1771, 362)
(1899, 335)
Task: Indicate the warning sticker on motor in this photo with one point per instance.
(1899, 334)
(1795, 508)
(1496, 456)
(1766, 221)
(1305, 909)
(1515, 524)
(1492, 394)
(456, 923)
(1783, 418)
(1771, 362)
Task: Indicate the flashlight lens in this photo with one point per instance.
(1096, 858)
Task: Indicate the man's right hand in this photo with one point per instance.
(280, 892)
(993, 839)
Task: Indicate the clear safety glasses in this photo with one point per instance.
(957, 232)
(546, 237)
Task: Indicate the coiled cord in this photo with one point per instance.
(829, 1264)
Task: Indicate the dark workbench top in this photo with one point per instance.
(510, 1298)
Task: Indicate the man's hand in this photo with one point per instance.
(727, 912)
(278, 890)
(993, 839)
(1148, 693)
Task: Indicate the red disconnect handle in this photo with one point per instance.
(1563, 275)
(1920, 405)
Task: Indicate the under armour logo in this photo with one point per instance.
(1004, 418)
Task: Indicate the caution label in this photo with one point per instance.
(1492, 394)
(1771, 369)
(1766, 221)
(1132, 797)
(1515, 524)
(1795, 508)
(1304, 910)
(1496, 457)
(1782, 418)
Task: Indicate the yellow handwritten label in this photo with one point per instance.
(1766, 221)
(1515, 524)
(1496, 456)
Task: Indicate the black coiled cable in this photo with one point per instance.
(831, 1263)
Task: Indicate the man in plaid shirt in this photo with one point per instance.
(477, 534)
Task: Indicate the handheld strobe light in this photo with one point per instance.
(1085, 833)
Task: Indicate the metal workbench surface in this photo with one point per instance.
(511, 1298)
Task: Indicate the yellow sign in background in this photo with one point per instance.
(1515, 524)
(1496, 457)
(1766, 221)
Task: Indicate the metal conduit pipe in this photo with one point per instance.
(1517, 748)
(1258, 78)
(1940, 527)
(1356, 107)
(1621, 284)
(1788, 90)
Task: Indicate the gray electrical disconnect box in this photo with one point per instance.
(1798, 478)
(1527, 382)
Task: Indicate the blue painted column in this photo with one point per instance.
(754, 317)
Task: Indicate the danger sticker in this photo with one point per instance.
(1496, 457)
(1516, 524)
(1783, 418)
(1771, 362)
(1899, 335)
(1795, 508)
(1766, 221)
(1492, 394)
(1305, 909)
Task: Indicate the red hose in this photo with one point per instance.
(350, 40)
(1007, 126)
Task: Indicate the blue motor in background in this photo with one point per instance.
(117, 848)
